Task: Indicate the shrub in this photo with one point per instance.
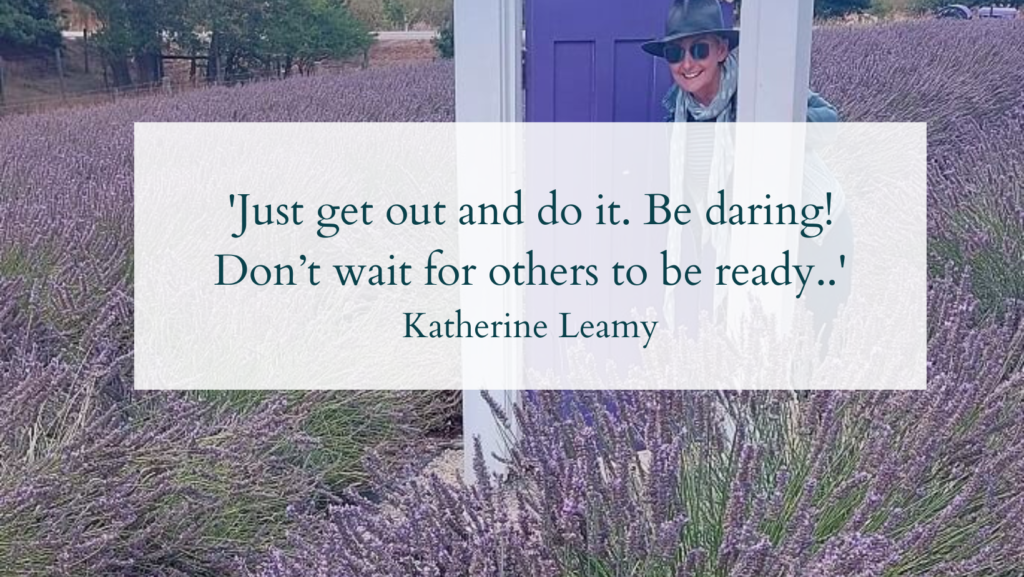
(743, 484)
(988, 241)
(975, 131)
(158, 486)
(445, 41)
(97, 479)
(348, 424)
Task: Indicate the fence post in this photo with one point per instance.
(60, 73)
(85, 48)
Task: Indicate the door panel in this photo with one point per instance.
(584, 64)
(574, 96)
(592, 49)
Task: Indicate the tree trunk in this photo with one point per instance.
(147, 66)
(119, 70)
(229, 67)
(213, 62)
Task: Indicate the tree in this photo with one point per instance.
(835, 8)
(138, 30)
(394, 11)
(304, 32)
(374, 13)
(445, 41)
(239, 37)
(28, 25)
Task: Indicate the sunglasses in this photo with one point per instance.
(675, 53)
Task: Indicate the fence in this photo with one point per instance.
(167, 86)
(71, 77)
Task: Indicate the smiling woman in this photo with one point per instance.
(700, 51)
(694, 63)
(702, 54)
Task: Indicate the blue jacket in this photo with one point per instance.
(818, 109)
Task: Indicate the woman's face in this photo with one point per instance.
(700, 77)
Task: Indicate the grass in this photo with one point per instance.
(994, 261)
(349, 424)
(346, 424)
(19, 261)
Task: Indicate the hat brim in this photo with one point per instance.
(657, 47)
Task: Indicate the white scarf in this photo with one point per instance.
(721, 109)
(817, 177)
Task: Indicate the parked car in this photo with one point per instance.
(1001, 12)
(955, 12)
(961, 12)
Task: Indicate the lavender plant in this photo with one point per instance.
(96, 479)
(911, 72)
(718, 483)
(158, 486)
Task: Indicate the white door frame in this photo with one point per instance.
(488, 88)
(774, 74)
(775, 69)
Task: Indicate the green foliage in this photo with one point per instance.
(137, 26)
(919, 6)
(394, 11)
(349, 424)
(240, 36)
(927, 6)
(375, 13)
(445, 41)
(835, 8)
(973, 3)
(138, 30)
(28, 25)
(883, 8)
(305, 31)
(993, 257)
(891, 7)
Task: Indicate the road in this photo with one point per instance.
(406, 34)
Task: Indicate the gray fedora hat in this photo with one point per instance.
(692, 18)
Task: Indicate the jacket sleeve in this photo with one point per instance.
(819, 109)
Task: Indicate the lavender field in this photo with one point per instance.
(96, 479)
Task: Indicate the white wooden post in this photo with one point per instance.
(775, 64)
(775, 60)
(488, 78)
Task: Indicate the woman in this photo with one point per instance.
(703, 56)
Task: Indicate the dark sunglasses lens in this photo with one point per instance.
(674, 53)
(700, 50)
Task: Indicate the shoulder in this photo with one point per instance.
(819, 109)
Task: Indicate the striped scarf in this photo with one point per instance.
(721, 108)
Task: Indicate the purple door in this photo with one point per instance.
(584, 64)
